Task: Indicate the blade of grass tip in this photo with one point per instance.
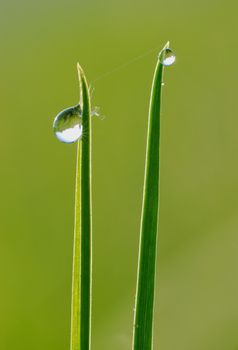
(82, 256)
(144, 305)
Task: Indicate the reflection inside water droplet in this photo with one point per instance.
(68, 125)
(167, 57)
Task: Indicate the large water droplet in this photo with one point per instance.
(68, 125)
(167, 57)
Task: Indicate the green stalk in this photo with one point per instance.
(144, 305)
(82, 256)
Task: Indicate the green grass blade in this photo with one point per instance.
(82, 257)
(144, 307)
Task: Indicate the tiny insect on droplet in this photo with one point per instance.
(68, 126)
(167, 57)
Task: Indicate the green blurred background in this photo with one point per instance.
(41, 41)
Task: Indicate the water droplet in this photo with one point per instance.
(167, 57)
(68, 124)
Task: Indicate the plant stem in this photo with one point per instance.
(144, 305)
(82, 257)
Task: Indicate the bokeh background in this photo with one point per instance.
(196, 298)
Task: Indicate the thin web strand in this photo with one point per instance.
(124, 65)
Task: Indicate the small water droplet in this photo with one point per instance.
(68, 126)
(95, 112)
(167, 57)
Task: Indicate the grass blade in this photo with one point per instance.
(144, 306)
(82, 256)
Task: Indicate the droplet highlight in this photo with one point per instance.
(68, 126)
(167, 57)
